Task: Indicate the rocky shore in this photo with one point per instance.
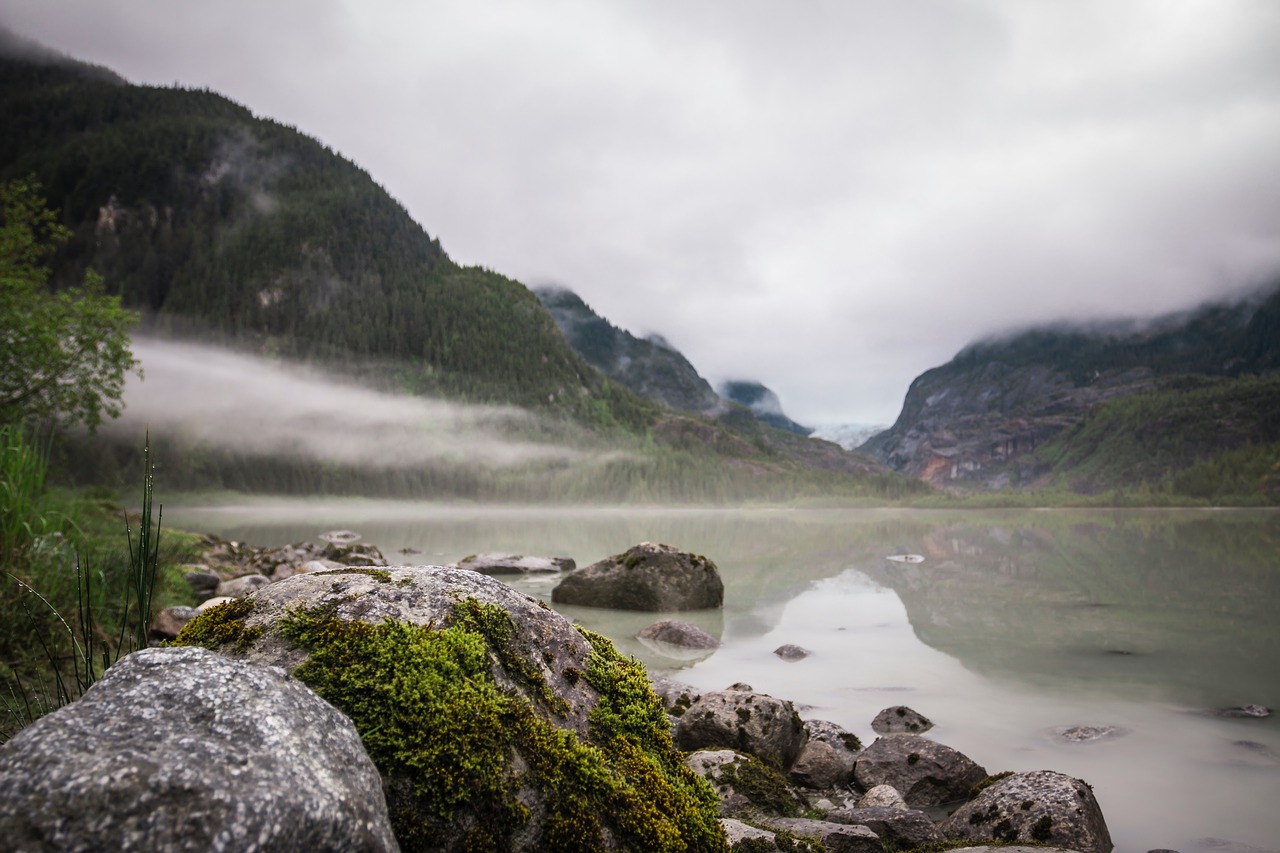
(319, 697)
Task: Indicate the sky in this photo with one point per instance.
(827, 197)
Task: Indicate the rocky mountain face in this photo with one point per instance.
(984, 419)
(763, 403)
(649, 366)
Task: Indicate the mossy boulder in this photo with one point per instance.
(742, 719)
(1041, 807)
(495, 722)
(647, 577)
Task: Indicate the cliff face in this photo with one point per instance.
(981, 420)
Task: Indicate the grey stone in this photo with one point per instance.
(676, 696)
(768, 728)
(1088, 734)
(242, 586)
(210, 603)
(882, 797)
(515, 564)
(1040, 806)
(1247, 711)
(791, 653)
(203, 582)
(178, 749)
(926, 772)
(836, 837)
(647, 577)
(674, 637)
(900, 718)
(738, 832)
(166, 624)
(820, 765)
(765, 791)
(901, 827)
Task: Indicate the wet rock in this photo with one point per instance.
(900, 718)
(1040, 806)
(242, 586)
(882, 797)
(181, 749)
(1246, 711)
(926, 772)
(671, 636)
(341, 537)
(1088, 734)
(168, 622)
(515, 564)
(792, 653)
(768, 728)
(646, 577)
(898, 828)
(836, 837)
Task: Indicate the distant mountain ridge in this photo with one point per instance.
(1010, 412)
(763, 403)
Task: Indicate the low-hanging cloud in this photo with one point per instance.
(233, 401)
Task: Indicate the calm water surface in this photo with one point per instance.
(1015, 624)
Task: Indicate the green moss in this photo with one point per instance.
(850, 741)
(442, 732)
(221, 625)
(987, 783)
(380, 575)
(763, 786)
(1042, 829)
(633, 561)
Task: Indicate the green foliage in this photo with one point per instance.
(65, 354)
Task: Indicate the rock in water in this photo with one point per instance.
(181, 749)
(515, 564)
(900, 718)
(926, 772)
(1041, 806)
(673, 637)
(646, 577)
(496, 723)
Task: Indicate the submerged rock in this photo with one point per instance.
(495, 722)
(926, 772)
(676, 638)
(515, 564)
(1088, 734)
(792, 653)
(181, 749)
(1041, 806)
(646, 577)
(900, 718)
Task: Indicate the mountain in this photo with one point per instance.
(848, 436)
(763, 403)
(1114, 405)
(651, 367)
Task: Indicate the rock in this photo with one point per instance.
(288, 570)
(203, 582)
(768, 728)
(900, 718)
(926, 772)
(180, 749)
(341, 537)
(836, 735)
(515, 564)
(676, 696)
(738, 832)
(354, 555)
(647, 577)
(474, 689)
(1040, 806)
(836, 837)
(674, 638)
(820, 765)
(242, 586)
(882, 797)
(791, 653)
(898, 828)
(1087, 734)
(1253, 711)
(210, 603)
(745, 784)
(168, 622)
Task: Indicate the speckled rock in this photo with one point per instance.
(745, 785)
(744, 836)
(678, 636)
(882, 797)
(768, 728)
(647, 577)
(1040, 806)
(515, 564)
(900, 718)
(791, 652)
(676, 695)
(901, 828)
(927, 773)
(179, 749)
(836, 837)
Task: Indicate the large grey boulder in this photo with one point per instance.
(768, 728)
(180, 749)
(515, 564)
(496, 723)
(902, 828)
(647, 577)
(926, 772)
(828, 756)
(1041, 806)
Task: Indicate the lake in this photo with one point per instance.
(1015, 624)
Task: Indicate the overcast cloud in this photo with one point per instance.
(830, 197)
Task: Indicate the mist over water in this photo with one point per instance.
(233, 401)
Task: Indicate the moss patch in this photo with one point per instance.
(219, 626)
(443, 734)
(763, 786)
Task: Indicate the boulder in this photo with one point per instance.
(203, 582)
(792, 653)
(179, 749)
(836, 837)
(926, 772)
(898, 828)
(359, 554)
(166, 624)
(900, 718)
(744, 836)
(288, 570)
(820, 765)
(745, 784)
(496, 723)
(515, 564)
(844, 741)
(242, 586)
(1087, 734)
(646, 577)
(210, 603)
(768, 728)
(674, 638)
(1041, 806)
(882, 797)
